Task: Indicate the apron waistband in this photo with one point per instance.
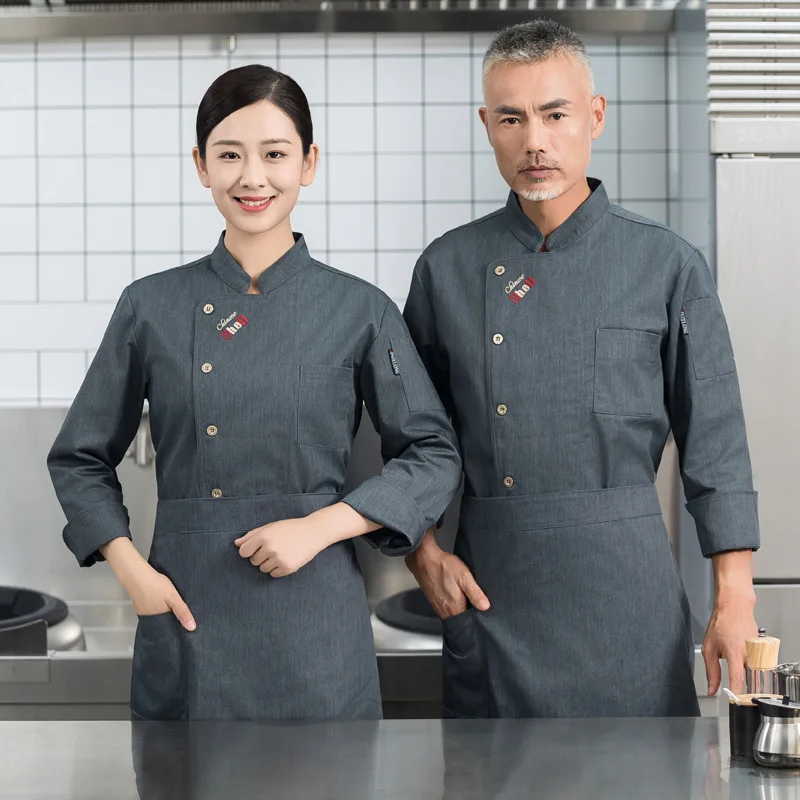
(558, 510)
(201, 515)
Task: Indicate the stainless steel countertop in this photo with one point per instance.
(641, 759)
(102, 673)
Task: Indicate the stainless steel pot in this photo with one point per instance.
(788, 678)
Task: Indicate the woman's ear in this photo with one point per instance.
(310, 164)
(200, 166)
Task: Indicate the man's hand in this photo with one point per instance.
(445, 579)
(733, 620)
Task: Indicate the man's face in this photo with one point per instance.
(541, 119)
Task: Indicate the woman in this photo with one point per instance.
(255, 361)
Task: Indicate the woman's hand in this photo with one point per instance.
(151, 592)
(283, 547)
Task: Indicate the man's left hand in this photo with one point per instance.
(731, 624)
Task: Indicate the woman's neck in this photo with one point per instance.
(257, 252)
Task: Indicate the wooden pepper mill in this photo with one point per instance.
(762, 659)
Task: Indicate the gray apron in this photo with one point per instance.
(254, 402)
(293, 648)
(564, 372)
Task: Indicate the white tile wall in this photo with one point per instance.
(97, 186)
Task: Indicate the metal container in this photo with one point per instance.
(777, 742)
(788, 680)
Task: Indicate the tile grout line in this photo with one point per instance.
(376, 244)
(132, 109)
(36, 169)
(181, 115)
(84, 159)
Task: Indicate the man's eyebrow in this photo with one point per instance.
(557, 102)
(503, 109)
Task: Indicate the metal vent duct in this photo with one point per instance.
(754, 75)
(46, 19)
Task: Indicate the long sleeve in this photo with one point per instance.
(706, 413)
(422, 466)
(98, 429)
(421, 320)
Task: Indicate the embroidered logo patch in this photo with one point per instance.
(231, 325)
(684, 325)
(517, 289)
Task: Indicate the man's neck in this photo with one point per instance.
(547, 215)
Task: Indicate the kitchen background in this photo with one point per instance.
(97, 188)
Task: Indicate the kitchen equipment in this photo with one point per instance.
(761, 660)
(777, 741)
(788, 680)
(32, 622)
(744, 719)
(409, 611)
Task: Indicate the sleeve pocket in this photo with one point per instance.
(417, 385)
(709, 340)
(325, 406)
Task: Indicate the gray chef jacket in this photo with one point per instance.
(563, 372)
(254, 401)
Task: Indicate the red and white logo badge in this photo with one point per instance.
(231, 325)
(517, 289)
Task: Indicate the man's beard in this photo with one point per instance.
(538, 195)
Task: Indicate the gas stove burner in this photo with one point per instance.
(409, 611)
(33, 622)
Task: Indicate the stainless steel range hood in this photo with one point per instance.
(50, 19)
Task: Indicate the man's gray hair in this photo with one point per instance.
(533, 42)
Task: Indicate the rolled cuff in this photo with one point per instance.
(727, 521)
(93, 527)
(380, 501)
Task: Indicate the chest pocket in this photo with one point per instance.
(325, 406)
(628, 379)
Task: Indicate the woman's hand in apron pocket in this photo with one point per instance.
(445, 579)
(151, 592)
(283, 547)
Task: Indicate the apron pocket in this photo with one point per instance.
(628, 378)
(464, 681)
(325, 406)
(417, 386)
(157, 685)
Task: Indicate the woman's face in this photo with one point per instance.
(254, 166)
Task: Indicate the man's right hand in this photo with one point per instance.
(151, 592)
(445, 579)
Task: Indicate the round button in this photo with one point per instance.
(500, 270)
(502, 410)
(498, 338)
(211, 430)
(508, 482)
(216, 493)
(206, 368)
(208, 308)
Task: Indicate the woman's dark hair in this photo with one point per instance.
(244, 86)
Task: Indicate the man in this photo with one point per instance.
(566, 337)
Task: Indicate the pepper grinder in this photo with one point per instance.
(761, 660)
